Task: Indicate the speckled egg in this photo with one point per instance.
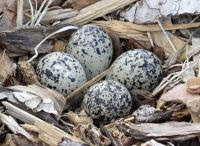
(61, 72)
(93, 48)
(107, 100)
(137, 69)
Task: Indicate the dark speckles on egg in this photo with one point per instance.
(61, 72)
(92, 47)
(138, 69)
(108, 99)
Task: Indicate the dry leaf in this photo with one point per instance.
(36, 98)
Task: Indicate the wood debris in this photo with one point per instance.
(161, 131)
(6, 67)
(33, 114)
(96, 10)
(91, 134)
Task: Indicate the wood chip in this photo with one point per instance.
(79, 4)
(162, 132)
(28, 73)
(50, 134)
(6, 67)
(193, 84)
(60, 46)
(91, 134)
(98, 9)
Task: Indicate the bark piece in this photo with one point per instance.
(148, 114)
(91, 134)
(60, 46)
(58, 14)
(50, 134)
(6, 67)
(17, 140)
(24, 40)
(141, 97)
(98, 9)
(148, 11)
(193, 85)
(117, 49)
(28, 73)
(79, 4)
(162, 132)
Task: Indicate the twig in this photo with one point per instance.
(89, 83)
(38, 12)
(20, 14)
(20, 114)
(169, 40)
(43, 12)
(32, 10)
(58, 31)
(150, 39)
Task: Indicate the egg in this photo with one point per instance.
(107, 100)
(137, 69)
(92, 47)
(61, 71)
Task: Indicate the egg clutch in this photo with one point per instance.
(89, 53)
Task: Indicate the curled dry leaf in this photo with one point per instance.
(79, 119)
(36, 98)
(91, 135)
